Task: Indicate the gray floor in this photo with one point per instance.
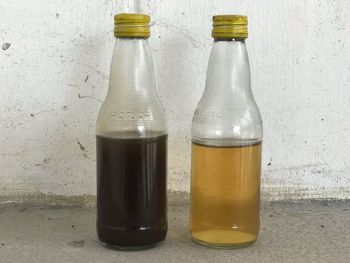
(291, 232)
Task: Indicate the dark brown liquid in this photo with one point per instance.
(131, 191)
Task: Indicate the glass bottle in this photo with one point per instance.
(131, 145)
(226, 145)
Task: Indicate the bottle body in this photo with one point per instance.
(131, 191)
(225, 200)
(226, 152)
(131, 137)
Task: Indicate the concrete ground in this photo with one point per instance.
(291, 232)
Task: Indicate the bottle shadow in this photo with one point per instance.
(69, 157)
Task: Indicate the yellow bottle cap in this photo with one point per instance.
(132, 25)
(230, 26)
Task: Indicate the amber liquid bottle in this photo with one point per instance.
(226, 145)
(131, 145)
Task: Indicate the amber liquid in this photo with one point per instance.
(131, 191)
(225, 194)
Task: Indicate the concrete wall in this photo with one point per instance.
(54, 67)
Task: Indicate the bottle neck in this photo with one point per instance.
(132, 105)
(227, 112)
(228, 68)
(132, 67)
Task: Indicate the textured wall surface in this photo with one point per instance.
(54, 69)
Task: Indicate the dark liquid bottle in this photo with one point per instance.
(131, 146)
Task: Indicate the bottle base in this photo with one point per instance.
(224, 239)
(131, 248)
(138, 238)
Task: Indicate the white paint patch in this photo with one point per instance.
(54, 74)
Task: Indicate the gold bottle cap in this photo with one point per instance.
(230, 26)
(132, 25)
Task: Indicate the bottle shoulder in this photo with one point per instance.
(238, 121)
(143, 120)
(228, 113)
